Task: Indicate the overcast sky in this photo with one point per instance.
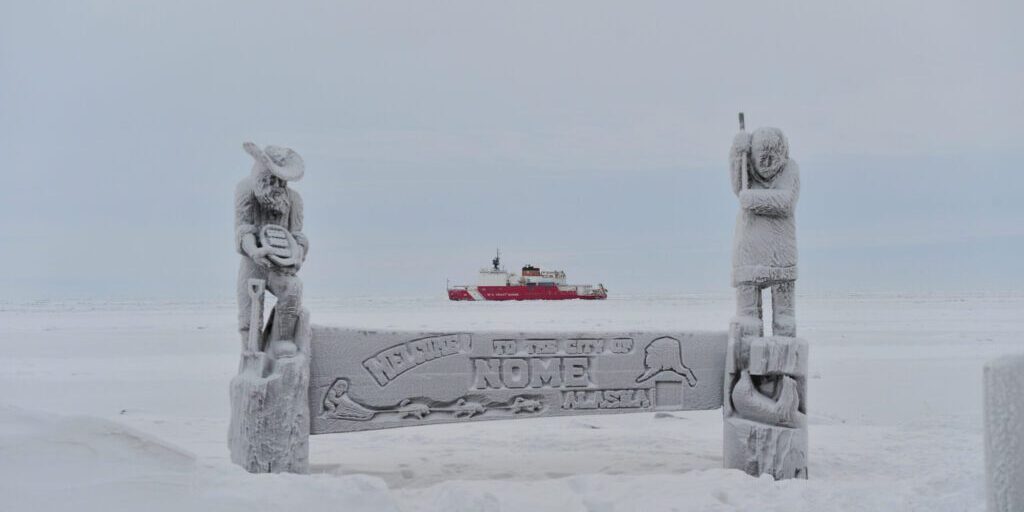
(589, 136)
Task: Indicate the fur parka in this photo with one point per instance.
(764, 245)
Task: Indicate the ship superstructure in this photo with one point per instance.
(496, 283)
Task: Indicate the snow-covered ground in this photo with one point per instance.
(123, 406)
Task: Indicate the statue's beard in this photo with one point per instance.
(274, 198)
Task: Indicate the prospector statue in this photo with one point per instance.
(269, 427)
(268, 235)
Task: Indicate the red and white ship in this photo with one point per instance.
(496, 283)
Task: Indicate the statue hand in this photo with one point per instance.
(747, 199)
(259, 257)
(263, 261)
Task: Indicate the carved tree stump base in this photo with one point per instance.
(760, 449)
(765, 429)
(269, 430)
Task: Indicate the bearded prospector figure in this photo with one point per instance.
(269, 427)
(268, 235)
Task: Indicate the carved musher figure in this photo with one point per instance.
(268, 235)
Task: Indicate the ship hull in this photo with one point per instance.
(477, 293)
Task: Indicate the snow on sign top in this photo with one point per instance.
(364, 380)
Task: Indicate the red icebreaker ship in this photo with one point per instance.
(534, 284)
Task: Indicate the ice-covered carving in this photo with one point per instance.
(765, 384)
(522, 404)
(337, 404)
(269, 428)
(464, 409)
(409, 409)
(268, 235)
(363, 380)
(665, 354)
(1004, 433)
(780, 406)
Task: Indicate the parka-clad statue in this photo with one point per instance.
(764, 247)
(765, 384)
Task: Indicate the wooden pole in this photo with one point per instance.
(744, 179)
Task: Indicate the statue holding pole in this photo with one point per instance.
(766, 387)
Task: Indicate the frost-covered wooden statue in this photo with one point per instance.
(269, 411)
(765, 389)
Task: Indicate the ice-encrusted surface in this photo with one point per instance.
(124, 406)
(1004, 432)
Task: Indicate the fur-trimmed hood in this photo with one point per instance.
(769, 153)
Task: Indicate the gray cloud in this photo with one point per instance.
(586, 135)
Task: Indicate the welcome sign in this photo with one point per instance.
(363, 380)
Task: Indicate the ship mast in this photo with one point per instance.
(497, 260)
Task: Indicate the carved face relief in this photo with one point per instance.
(271, 191)
(769, 153)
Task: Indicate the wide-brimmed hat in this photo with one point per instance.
(284, 163)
